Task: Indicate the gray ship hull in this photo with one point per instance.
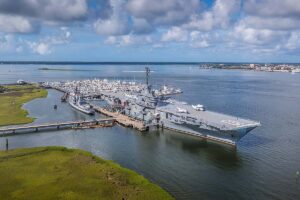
(226, 137)
(85, 111)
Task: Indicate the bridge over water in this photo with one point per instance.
(106, 122)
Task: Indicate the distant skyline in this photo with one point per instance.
(150, 30)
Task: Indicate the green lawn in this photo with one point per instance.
(11, 102)
(61, 173)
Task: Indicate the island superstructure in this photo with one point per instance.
(157, 109)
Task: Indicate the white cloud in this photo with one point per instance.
(6, 42)
(9, 44)
(63, 38)
(19, 49)
(167, 12)
(222, 11)
(40, 48)
(129, 40)
(25, 16)
(50, 10)
(219, 16)
(268, 26)
(273, 23)
(117, 24)
(272, 14)
(250, 25)
(111, 40)
(113, 26)
(257, 36)
(175, 34)
(45, 45)
(12, 24)
(200, 44)
(293, 41)
(65, 10)
(142, 16)
(141, 26)
(199, 40)
(273, 8)
(263, 41)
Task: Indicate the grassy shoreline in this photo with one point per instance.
(61, 173)
(12, 100)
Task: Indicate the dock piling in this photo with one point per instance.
(6, 144)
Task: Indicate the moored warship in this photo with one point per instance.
(156, 108)
(78, 103)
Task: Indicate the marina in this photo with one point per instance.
(143, 107)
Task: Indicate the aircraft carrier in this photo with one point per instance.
(157, 108)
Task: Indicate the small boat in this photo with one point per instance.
(198, 107)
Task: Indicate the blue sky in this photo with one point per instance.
(150, 30)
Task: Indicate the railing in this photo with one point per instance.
(55, 126)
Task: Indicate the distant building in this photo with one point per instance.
(264, 68)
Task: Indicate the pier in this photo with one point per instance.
(123, 119)
(64, 97)
(97, 123)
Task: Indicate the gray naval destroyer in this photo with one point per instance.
(156, 108)
(77, 102)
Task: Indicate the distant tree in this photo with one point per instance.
(2, 89)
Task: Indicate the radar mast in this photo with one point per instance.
(147, 78)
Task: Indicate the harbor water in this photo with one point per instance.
(263, 166)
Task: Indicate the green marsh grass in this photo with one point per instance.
(11, 101)
(61, 173)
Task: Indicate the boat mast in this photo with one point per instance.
(147, 77)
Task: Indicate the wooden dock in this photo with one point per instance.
(123, 119)
(108, 122)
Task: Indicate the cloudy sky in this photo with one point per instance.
(150, 30)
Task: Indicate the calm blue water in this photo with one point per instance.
(262, 167)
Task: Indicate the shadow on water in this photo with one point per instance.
(253, 140)
(222, 156)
